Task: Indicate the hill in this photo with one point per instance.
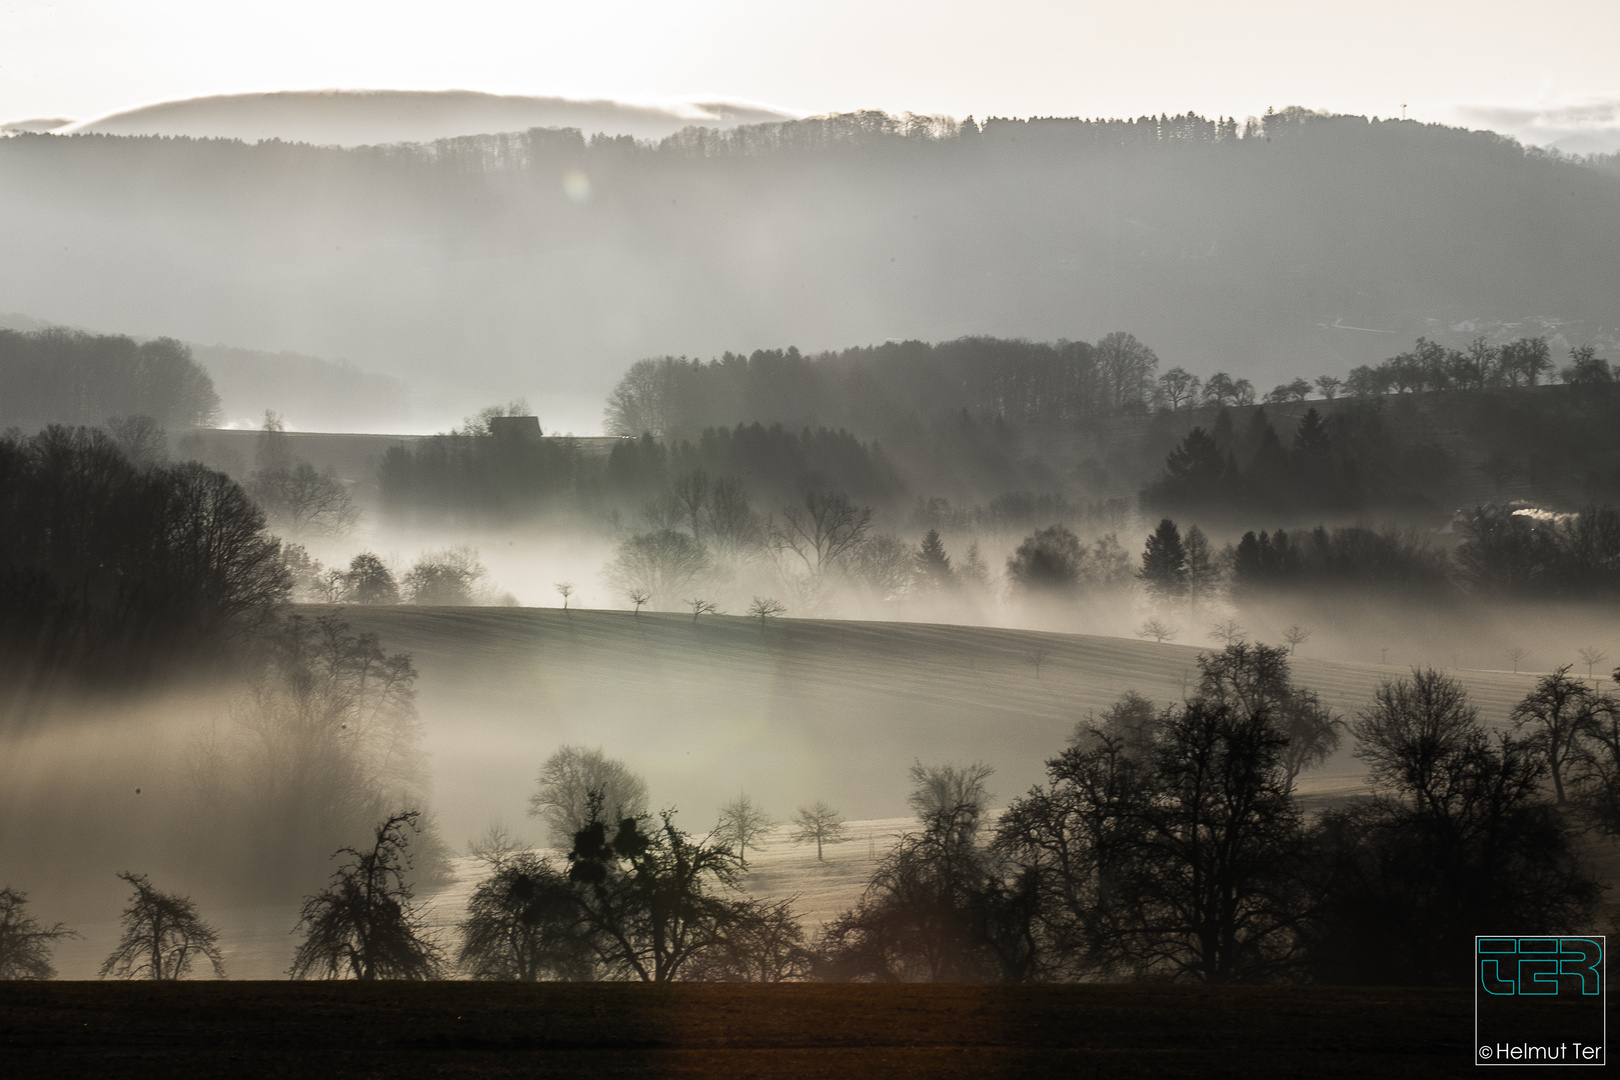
(371, 117)
(542, 263)
(808, 709)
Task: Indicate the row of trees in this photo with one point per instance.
(866, 388)
(445, 577)
(1502, 554)
(1348, 460)
(1430, 366)
(705, 532)
(1166, 844)
(58, 376)
(111, 569)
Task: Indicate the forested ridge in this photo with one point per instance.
(1295, 243)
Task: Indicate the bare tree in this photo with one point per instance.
(819, 824)
(691, 496)
(662, 564)
(25, 943)
(1156, 629)
(884, 564)
(445, 577)
(742, 822)
(566, 782)
(763, 608)
(733, 527)
(565, 589)
(304, 502)
(522, 924)
(1228, 632)
(1415, 732)
(639, 597)
(1563, 708)
(162, 936)
(1516, 654)
(363, 925)
(1296, 636)
(823, 530)
(700, 606)
(950, 799)
(1035, 657)
(1592, 657)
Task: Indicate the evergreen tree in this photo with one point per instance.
(1164, 562)
(933, 564)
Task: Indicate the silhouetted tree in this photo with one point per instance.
(663, 565)
(742, 822)
(1164, 563)
(523, 924)
(364, 924)
(26, 943)
(933, 910)
(764, 609)
(760, 941)
(162, 936)
(1156, 629)
(303, 502)
(444, 578)
(819, 824)
(1562, 709)
(648, 898)
(932, 564)
(369, 581)
(1048, 561)
(823, 530)
(1457, 840)
(562, 797)
(1255, 681)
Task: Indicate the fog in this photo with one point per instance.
(543, 263)
(344, 481)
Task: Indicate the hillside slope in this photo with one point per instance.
(542, 264)
(806, 709)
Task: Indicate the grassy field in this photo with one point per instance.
(796, 711)
(127, 1030)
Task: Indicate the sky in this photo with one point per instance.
(1538, 72)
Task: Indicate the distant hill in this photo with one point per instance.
(545, 262)
(372, 117)
(309, 393)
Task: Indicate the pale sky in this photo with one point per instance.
(1483, 63)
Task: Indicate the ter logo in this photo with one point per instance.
(1540, 1001)
(1540, 966)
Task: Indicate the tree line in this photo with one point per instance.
(1501, 554)
(112, 570)
(868, 388)
(474, 476)
(1167, 844)
(58, 376)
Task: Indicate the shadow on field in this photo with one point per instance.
(804, 1030)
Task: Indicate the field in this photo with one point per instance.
(794, 711)
(250, 1029)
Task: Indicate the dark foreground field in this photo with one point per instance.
(840, 1031)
